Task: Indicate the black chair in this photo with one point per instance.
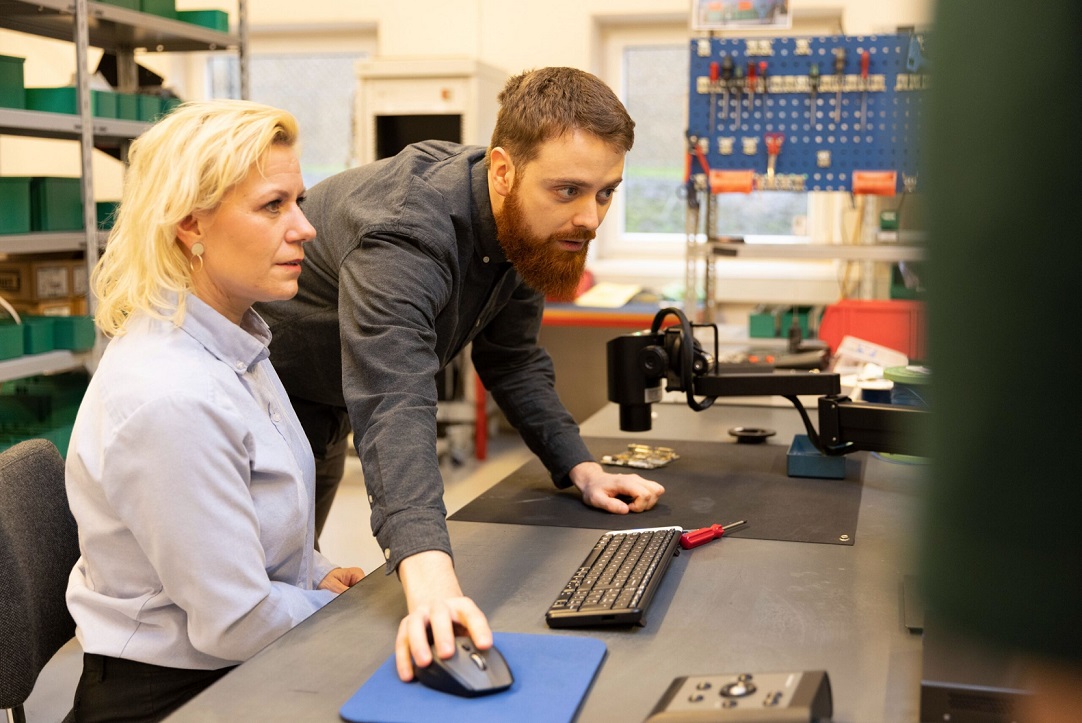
(38, 548)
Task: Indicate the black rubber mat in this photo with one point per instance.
(711, 482)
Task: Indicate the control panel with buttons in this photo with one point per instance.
(734, 697)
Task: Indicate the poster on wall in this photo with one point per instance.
(739, 14)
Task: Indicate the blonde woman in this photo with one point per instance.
(188, 472)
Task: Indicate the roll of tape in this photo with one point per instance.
(911, 385)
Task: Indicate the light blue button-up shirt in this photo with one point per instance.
(192, 485)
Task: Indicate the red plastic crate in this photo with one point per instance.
(897, 324)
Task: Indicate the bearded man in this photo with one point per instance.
(418, 256)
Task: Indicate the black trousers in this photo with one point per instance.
(111, 689)
(327, 428)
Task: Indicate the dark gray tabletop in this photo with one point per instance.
(734, 605)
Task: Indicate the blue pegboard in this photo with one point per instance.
(819, 150)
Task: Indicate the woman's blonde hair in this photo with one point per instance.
(185, 163)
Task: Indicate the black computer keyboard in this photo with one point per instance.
(616, 582)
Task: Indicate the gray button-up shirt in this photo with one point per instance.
(405, 271)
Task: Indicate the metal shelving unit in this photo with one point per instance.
(120, 31)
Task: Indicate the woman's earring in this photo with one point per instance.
(197, 253)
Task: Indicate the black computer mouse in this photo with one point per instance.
(470, 672)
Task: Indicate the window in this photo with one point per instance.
(319, 92)
(650, 209)
(643, 240)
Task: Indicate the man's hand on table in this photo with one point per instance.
(435, 600)
(604, 490)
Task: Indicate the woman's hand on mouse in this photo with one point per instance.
(436, 603)
(341, 579)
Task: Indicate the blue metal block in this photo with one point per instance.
(804, 460)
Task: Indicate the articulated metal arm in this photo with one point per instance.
(639, 362)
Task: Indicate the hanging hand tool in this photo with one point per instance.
(714, 73)
(762, 78)
(865, 60)
(694, 151)
(738, 85)
(726, 80)
(839, 74)
(813, 88)
(703, 535)
(773, 148)
(751, 86)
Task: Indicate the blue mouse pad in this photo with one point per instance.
(552, 674)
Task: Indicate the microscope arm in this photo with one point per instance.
(754, 384)
(844, 425)
(639, 363)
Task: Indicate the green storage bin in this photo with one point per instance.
(39, 334)
(56, 204)
(129, 4)
(41, 406)
(11, 340)
(213, 19)
(14, 204)
(127, 106)
(106, 211)
(12, 92)
(150, 107)
(73, 332)
(168, 104)
(761, 326)
(103, 104)
(161, 8)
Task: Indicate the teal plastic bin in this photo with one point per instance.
(56, 204)
(150, 107)
(127, 106)
(212, 19)
(12, 91)
(41, 407)
(103, 104)
(106, 212)
(11, 340)
(14, 204)
(161, 8)
(73, 332)
(38, 334)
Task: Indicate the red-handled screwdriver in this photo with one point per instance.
(703, 535)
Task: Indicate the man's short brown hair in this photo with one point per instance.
(539, 105)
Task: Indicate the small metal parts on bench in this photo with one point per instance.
(641, 456)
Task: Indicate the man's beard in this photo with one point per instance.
(542, 263)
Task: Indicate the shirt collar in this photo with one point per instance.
(488, 244)
(241, 347)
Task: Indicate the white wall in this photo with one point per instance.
(509, 35)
